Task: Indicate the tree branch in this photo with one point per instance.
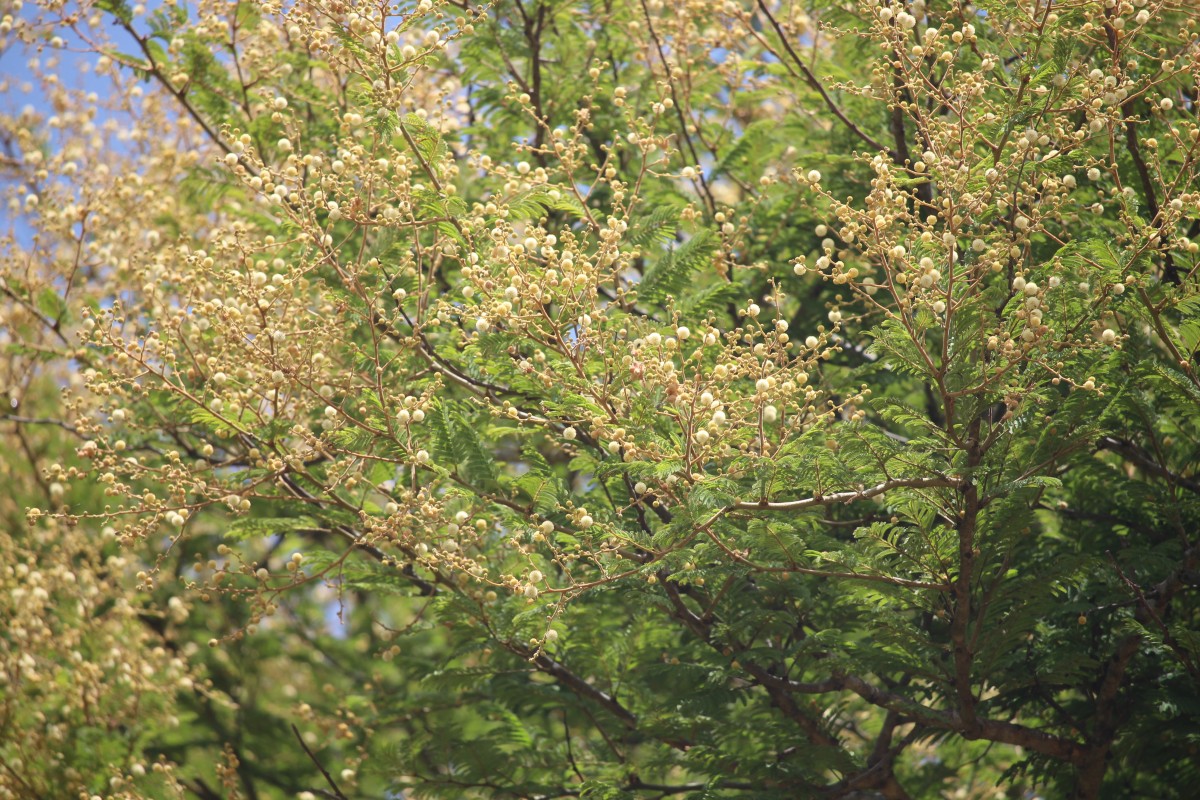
(850, 496)
(812, 81)
(1140, 457)
(328, 778)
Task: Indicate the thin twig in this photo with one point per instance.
(1168, 639)
(328, 778)
(811, 78)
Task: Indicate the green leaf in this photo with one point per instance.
(657, 227)
(458, 442)
(253, 527)
(118, 8)
(51, 305)
(430, 145)
(672, 272)
(752, 143)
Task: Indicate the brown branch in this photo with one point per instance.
(850, 496)
(201, 789)
(778, 689)
(1004, 732)
(816, 85)
(1170, 585)
(328, 778)
(356, 540)
(579, 686)
(1170, 271)
(880, 773)
(819, 573)
(710, 201)
(1095, 761)
(66, 426)
(180, 95)
(1148, 611)
(960, 622)
(909, 710)
(959, 625)
(583, 689)
(1140, 457)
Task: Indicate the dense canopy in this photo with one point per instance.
(623, 399)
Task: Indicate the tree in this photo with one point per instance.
(629, 399)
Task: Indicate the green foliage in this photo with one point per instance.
(672, 271)
(609, 400)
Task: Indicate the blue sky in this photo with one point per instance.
(20, 90)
